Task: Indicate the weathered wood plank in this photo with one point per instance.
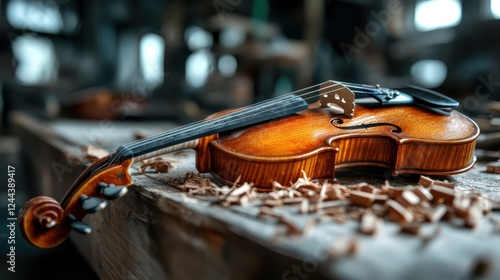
(158, 232)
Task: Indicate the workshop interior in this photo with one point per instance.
(176, 62)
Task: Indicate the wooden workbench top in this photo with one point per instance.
(158, 231)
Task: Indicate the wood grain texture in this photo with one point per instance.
(146, 236)
(155, 233)
(316, 142)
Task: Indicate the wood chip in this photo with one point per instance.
(413, 228)
(364, 187)
(446, 195)
(493, 167)
(482, 267)
(486, 205)
(332, 204)
(461, 206)
(409, 206)
(361, 198)
(394, 193)
(474, 215)
(304, 207)
(437, 213)
(370, 223)
(379, 209)
(380, 199)
(241, 190)
(425, 181)
(93, 153)
(445, 184)
(343, 248)
(158, 165)
(423, 193)
(408, 198)
(140, 134)
(398, 213)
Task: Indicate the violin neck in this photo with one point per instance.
(186, 136)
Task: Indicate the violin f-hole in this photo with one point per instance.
(336, 121)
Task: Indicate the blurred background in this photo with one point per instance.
(178, 61)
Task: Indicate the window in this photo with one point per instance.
(36, 56)
(152, 49)
(41, 16)
(429, 73)
(436, 14)
(495, 8)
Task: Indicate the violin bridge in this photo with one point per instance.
(337, 97)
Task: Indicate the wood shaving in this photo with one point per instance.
(158, 165)
(410, 207)
(413, 229)
(93, 153)
(343, 247)
(493, 167)
(482, 267)
(425, 181)
(140, 134)
(291, 228)
(370, 223)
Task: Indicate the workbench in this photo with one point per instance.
(160, 232)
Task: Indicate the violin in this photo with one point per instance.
(314, 130)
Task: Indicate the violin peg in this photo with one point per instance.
(112, 192)
(92, 204)
(79, 226)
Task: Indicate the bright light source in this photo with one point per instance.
(227, 65)
(495, 8)
(435, 14)
(198, 38)
(36, 58)
(199, 65)
(429, 73)
(232, 36)
(152, 49)
(42, 16)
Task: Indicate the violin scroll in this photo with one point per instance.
(40, 215)
(46, 223)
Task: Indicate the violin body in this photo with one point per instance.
(403, 139)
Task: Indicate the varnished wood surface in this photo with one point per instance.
(306, 131)
(279, 150)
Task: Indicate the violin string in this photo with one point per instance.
(250, 110)
(194, 125)
(188, 127)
